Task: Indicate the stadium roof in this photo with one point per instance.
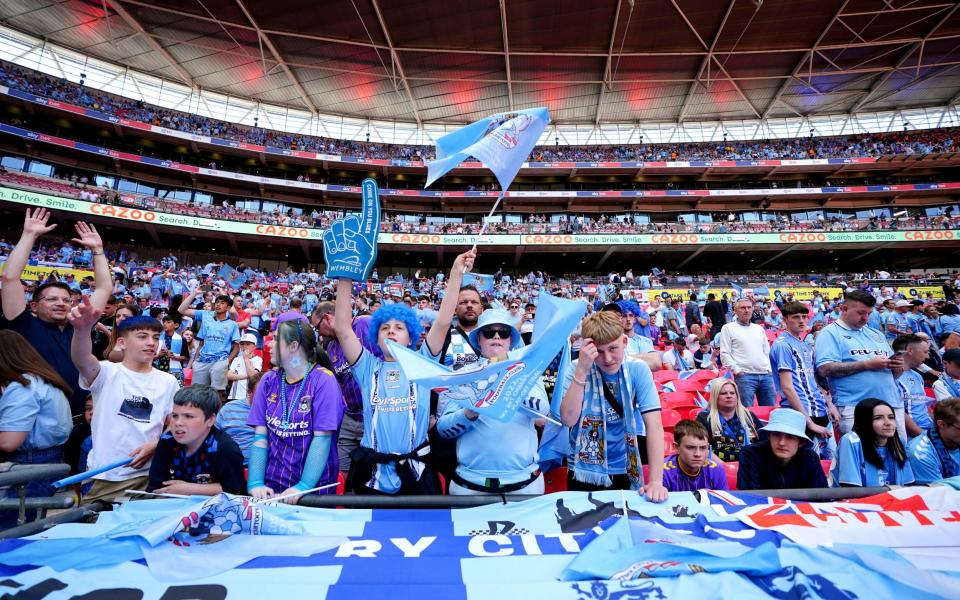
(450, 61)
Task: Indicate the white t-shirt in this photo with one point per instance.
(238, 391)
(129, 410)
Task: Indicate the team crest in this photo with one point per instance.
(305, 404)
(272, 398)
(592, 441)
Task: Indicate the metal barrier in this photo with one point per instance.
(20, 475)
(41, 525)
(804, 495)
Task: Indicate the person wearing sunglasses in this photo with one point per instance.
(495, 457)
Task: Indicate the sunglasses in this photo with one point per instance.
(502, 332)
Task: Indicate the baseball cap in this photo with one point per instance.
(902, 303)
(249, 338)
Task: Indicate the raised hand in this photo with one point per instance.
(35, 223)
(89, 238)
(350, 245)
(84, 316)
(464, 262)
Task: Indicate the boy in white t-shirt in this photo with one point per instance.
(131, 400)
(243, 367)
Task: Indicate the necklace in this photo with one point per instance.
(285, 412)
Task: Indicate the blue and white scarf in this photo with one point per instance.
(590, 460)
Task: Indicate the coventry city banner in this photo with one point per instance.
(497, 390)
(564, 546)
(501, 142)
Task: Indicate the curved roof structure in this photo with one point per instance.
(453, 61)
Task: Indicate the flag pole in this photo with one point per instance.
(483, 228)
(541, 415)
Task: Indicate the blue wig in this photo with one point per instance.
(394, 312)
(629, 306)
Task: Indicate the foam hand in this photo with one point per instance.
(350, 245)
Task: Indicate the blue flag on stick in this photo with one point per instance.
(496, 390)
(502, 142)
(483, 283)
(233, 277)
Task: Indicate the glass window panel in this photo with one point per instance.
(14, 163)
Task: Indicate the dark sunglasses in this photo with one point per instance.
(502, 332)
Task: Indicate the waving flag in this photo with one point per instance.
(483, 283)
(496, 390)
(233, 277)
(501, 142)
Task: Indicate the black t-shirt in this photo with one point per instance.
(217, 460)
(53, 344)
(714, 311)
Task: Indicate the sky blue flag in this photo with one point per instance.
(501, 142)
(761, 291)
(737, 288)
(494, 552)
(233, 277)
(483, 283)
(497, 390)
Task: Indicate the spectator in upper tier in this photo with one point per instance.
(872, 454)
(691, 468)
(785, 460)
(935, 455)
(730, 426)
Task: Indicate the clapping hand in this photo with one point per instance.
(350, 245)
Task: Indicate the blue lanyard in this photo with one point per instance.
(286, 414)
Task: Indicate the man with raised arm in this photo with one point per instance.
(45, 322)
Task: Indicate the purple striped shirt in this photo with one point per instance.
(319, 408)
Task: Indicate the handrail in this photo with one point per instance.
(330, 501)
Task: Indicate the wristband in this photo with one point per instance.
(582, 382)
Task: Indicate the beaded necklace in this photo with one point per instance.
(286, 413)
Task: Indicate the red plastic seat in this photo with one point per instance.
(670, 418)
(762, 412)
(688, 385)
(665, 375)
(694, 413)
(341, 484)
(670, 399)
(731, 468)
(555, 480)
(669, 446)
(685, 409)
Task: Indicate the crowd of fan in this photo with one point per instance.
(82, 188)
(863, 145)
(194, 374)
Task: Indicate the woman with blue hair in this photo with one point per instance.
(396, 411)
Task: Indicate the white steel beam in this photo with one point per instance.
(276, 56)
(396, 61)
(151, 41)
